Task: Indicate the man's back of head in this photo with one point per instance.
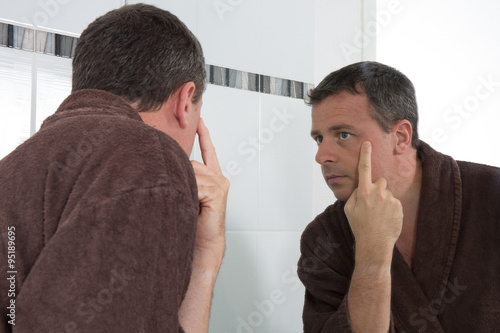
(140, 53)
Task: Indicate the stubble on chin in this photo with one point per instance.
(341, 193)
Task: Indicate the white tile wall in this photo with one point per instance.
(258, 289)
(236, 284)
(337, 34)
(21, 11)
(70, 16)
(287, 35)
(280, 294)
(232, 117)
(287, 159)
(229, 32)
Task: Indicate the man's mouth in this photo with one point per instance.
(334, 179)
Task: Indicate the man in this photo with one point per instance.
(412, 243)
(111, 228)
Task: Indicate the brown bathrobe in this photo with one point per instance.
(454, 284)
(105, 212)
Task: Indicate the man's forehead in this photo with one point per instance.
(344, 99)
(341, 108)
(330, 111)
(341, 112)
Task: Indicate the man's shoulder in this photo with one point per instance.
(113, 131)
(478, 169)
(332, 211)
(98, 141)
(478, 177)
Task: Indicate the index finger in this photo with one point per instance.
(207, 148)
(365, 165)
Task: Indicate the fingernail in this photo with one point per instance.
(366, 144)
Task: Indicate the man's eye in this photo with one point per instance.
(318, 139)
(344, 135)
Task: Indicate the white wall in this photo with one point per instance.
(450, 50)
(67, 16)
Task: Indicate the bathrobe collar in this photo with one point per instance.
(437, 233)
(87, 101)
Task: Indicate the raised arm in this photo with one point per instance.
(376, 218)
(213, 187)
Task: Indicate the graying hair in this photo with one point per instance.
(390, 94)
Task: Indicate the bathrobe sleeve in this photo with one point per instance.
(325, 268)
(119, 265)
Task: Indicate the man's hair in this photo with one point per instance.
(141, 53)
(390, 93)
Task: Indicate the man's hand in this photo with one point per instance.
(375, 216)
(376, 219)
(213, 187)
(212, 193)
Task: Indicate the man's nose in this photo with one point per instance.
(326, 153)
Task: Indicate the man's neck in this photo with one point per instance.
(406, 184)
(409, 195)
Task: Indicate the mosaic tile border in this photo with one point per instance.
(31, 40)
(266, 84)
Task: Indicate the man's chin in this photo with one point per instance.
(342, 194)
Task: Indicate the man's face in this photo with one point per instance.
(340, 124)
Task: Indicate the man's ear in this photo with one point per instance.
(403, 131)
(184, 102)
